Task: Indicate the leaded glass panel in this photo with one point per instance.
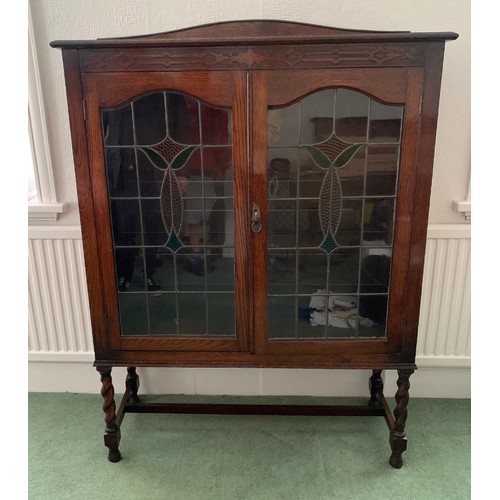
(333, 160)
(170, 184)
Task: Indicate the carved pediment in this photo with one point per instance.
(256, 32)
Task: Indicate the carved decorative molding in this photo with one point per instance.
(258, 57)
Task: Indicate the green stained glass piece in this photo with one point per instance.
(319, 157)
(346, 155)
(155, 158)
(329, 244)
(181, 159)
(174, 243)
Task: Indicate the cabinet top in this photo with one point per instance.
(256, 32)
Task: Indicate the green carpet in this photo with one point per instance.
(191, 457)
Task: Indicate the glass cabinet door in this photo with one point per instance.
(167, 179)
(333, 161)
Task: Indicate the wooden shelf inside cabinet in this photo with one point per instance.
(250, 196)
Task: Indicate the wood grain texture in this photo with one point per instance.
(285, 87)
(255, 409)
(423, 182)
(85, 201)
(259, 88)
(242, 233)
(228, 359)
(117, 89)
(155, 59)
(268, 69)
(256, 32)
(99, 190)
(400, 283)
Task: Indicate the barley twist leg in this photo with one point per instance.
(112, 431)
(397, 437)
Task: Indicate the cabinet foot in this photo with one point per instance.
(397, 436)
(112, 430)
(114, 455)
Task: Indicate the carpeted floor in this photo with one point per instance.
(191, 457)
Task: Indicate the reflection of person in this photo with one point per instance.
(199, 192)
(199, 197)
(122, 182)
(273, 125)
(200, 179)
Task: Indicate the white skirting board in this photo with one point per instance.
(434, 378)
(60, 340)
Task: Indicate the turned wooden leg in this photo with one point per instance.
(132, 383)
(112, 431)
(376, 386)
(397, 437)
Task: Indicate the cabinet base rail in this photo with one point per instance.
(377, 406)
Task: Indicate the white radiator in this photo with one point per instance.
(60, 331)
(59, 318)
(445, 313)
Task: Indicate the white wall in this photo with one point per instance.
(85, 19)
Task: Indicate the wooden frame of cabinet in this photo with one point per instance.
(249, 66)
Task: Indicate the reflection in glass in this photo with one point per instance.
(183, 118)
(312, 271)
(170, 182)
(381, 170)
(378, 221)
(385, 122)
(281, 271)
(282, 223)
(121, 172)
(163, 308)
(352, 176)
(317, 109)
(310, 176)
(282, 314)
(150, 177)
(117, 127)
(282, 177)
(126, 222)
(220, 307)
(220, 277)
(344, 271)
(309, 230)
(129, 265)
(192, 313)
(284, 125)
(149, 119)
(351, 115)
(154, 229)
(333, 161)
(349, 231)
(133, 313)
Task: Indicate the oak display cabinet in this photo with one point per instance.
(255, 194)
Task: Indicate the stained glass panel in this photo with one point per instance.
(333, 161)
(170, 182)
